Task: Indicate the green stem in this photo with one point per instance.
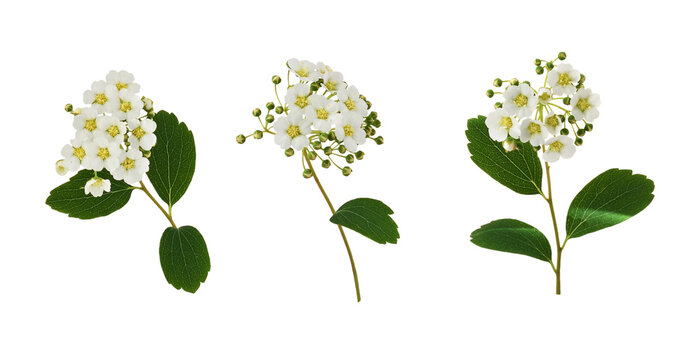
(342, 232)
(559, 248)
(167, 215)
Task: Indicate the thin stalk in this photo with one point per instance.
(342, 232)
(167, 214)
(559, 248)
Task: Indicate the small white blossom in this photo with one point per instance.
(509, 145)
(304, 69)
(333, 81)
(60, 167)
(544, 96)
(142, 133)
(350, 102)
(130, 105)
(323, 69)
(297, 97)
(74, 154)
(102, 154)
(85, 123)
(111, 129)
(348, 130)
(147, 104)
(123, 80)
(520, 100)
(291, 131)
(557, 147)
(585, 104)
(533, 132)
(132, 166)
(562, 80)
(553, 123)
(102, 96)
(500, 125)
(322, 112)
(97, 186)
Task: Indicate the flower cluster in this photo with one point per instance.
(553, 118)
(110, 133)
(321, 116)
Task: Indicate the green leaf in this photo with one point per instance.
(513, 236)
(70, 197)
(519, 170)
(184, 258)
(368, 217)
(172, 159)
(610, 198)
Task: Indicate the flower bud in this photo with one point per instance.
(376, 123)
(578, 141)
(362, 97)
(269, 105)
(269, 118)
(527, 82)
(342, 149)
(359, 154)
(562, 55)
(539, 70)
(323, 137)
(311, 155)
(315, 86)
(317, 145)
(307, 173)
(276, 79)
(151, 114)
(581, 132)
(566, 100)
(325, 164)
(588, 127)
(582, 79)
(60, 168)
(240, 139)
(346, 171)
(379, 140)
(68, 108)
(257, 112)
(514, 81)
(571, 119)
(327, 150)
(349, 158)
(331, 136)
(147, 103)
(278, 109)
(257, 135)
(498, 105)
(549, 65)
(565, 131)
(289, 152)
(537, 62)
(372, 115)
(489, 93)
(372, 132)
(368, 104)
(497, 82)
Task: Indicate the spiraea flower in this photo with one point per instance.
(585, 105)
(533, 131)
(559, 147)
(322, 112)
(102, 96)
(132, 166)
(297, 97)
(304, 69)
(111, 129)
(74, 154)
(130, 105)
(350, 102)
(292, 131)
(97, 186)
(85, 123)
(520, 100)
(501, 125)
(123, 80)
(348, 130)
(142, 133)
(563, 80)
(102, 154)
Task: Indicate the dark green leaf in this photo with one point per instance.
(519, 170)
(368, 217)
(70, 197)
(513, 236)
(172, 159)
(184, 258)
(610, 198)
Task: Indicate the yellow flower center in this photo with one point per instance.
(506, 122)
(534, 128)
(103, 153)
(349, 131)
(302, 72)
(293, 131)
(583, 104)
(350, 104)
(97, 183)
(563, 79)
(90, 124)
(556, 146)
(113, 130)
(322, 114)
(138, 132)
(100, 99)
(301, 101)
(552, 121)
(521, 100)
(331, 86)
(128, 164)
(545, 96)
(79, 153)
(125, 106)
(120, 85)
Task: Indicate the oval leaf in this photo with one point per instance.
(184, 258)
(513, 236)
(172, 159)
(70, 197)
(610, 198)
(519, 170)
(368, 217)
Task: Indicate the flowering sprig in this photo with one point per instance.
(547, 123)
(119, 137)
(326, 119)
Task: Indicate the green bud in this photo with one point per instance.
(514, 81)
(240, 139)
(328, 150)
(579, 86)
(323, 137)
(331, 136)
(562, 118)
(581, 132)
(571, 119)
(582, 79)
(276, 79)
(372, 132)
(372, 115)
(68, 108)
(362, 97)
(307, 173)
(549, 65)
(489, 93)
(562, 55)
(317, 145)
(289, 152)
(278, 109)
(146, 153)
(346, 171)
(498, 105)
(368, 105)
(537, 62)
(269, 118)
(539, 70)
(325, 163)
(566, 100)
(578, 141)
(257, 135)
(359, 154)
(497, 82)
(315, 86)
(376, 123)
(588, 127)
(269, 105)
(311, 155)
(565, 131)
(342, 149)
(379, 140)
(257, 112)
(349, 158)
(151, 114)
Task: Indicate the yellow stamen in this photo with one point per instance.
(545, 96)
(349, 131)
(521, 100)
(113, 130)
(125, 106)
(534, 128)
(301, 101)
(583, 104)
(100, 99)
(506, 122)
(331, 86)
(302, 72)
(563, 79)
(120, 85)
(103, 153)
(552, 121)
(293, 131)
(90, 124)
(79, 153)
(322, 114)
(350, 104)
(138, 132)
(128, 164)
(556, 146)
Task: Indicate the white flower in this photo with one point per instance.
(533, 132)
(129, 107)
(297, 97)
(292, 131)
(74, 154)
(111, 129)
(520, 100)
(142, 133)
(86, 123)
(500, 125)
(553, 123)
(544, 96)
(333, 81)
(557, 147)
(123, 80)
(562, 80)
(147, 104)
(304, 69)
(351, 102)
(102, 154)
(585, 105)
(322, 68)
(348, 130)
(60, 167)
(102, 96)
(97, 186)
(322, 112)
(132, 166)
(509, 145)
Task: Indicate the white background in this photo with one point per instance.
(280, 286)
